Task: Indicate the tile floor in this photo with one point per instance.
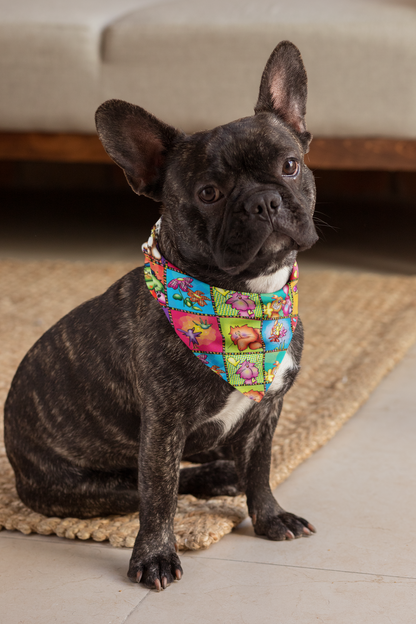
(358, 491)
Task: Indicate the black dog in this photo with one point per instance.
(107, 403)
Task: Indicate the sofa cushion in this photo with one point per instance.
(50, 59)
(197, 63)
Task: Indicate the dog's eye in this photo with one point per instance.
(290, 167)
(209, 195)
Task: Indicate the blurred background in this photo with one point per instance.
(196, 64)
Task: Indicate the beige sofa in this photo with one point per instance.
(197, 63)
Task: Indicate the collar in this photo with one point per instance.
(242, 337)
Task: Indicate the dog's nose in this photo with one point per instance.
(264, 206)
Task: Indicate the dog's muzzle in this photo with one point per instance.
(292, 221)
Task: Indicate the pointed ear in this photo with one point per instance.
(284, 88)
(137, 142)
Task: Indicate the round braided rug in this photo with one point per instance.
(357, 327)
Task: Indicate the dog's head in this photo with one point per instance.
(238, 200)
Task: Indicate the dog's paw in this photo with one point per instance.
(155, 571)
(282, 526)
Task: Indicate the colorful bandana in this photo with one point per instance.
(242, 337)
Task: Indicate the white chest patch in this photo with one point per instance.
(237, 404)
(287, 364)
(270, 283)
(235, 408)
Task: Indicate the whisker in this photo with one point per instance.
(321, 223)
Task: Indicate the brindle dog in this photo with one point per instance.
(107, 403)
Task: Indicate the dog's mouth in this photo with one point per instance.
(261, 230)
(299, 228)
(277, 243)
(274, 248)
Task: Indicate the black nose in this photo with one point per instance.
(263, 206)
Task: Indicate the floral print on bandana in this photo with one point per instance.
(242, 337)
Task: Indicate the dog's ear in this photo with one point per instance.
(284, 88)
(137, 142)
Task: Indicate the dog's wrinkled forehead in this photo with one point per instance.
(250, 147)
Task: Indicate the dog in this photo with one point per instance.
(107, 403)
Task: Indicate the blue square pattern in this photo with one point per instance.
(277, 334)
(215, 362)
(175, 280)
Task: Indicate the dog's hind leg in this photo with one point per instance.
(94, 493)
(216, 478)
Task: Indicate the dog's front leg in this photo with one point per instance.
(253, 459)
(154, 561)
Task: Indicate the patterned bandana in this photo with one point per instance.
(242, 337)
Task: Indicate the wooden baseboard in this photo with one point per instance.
(362, 154)
(347, 154)
(33, 146)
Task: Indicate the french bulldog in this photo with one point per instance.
(107, 403)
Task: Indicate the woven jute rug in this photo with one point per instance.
(357, 327)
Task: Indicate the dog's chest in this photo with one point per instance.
(238, 405)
